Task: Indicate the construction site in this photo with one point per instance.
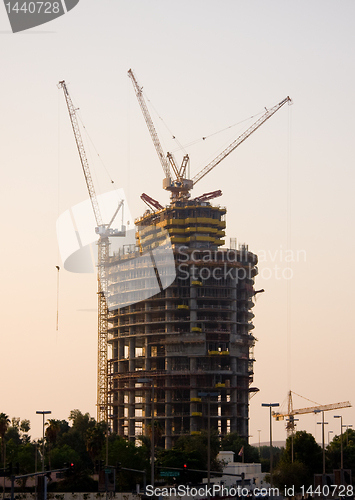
(193, 337)
(175, 350)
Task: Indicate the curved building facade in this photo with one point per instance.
(181, 318)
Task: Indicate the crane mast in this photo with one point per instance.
(180, 186)
(81, 150)
(104, 232)
(150, 125)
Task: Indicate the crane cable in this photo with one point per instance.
(181, 147)
(58, 209)
(92, 142)
(96, 151)
(310, 400)
(289, 244)
(192, 143)
(57, 320)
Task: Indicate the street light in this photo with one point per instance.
(259, 430)
(143, 381)
(43, 413)
(208, 396)
(329, 432)
(270, 405)
(322, 423)
(341, 442)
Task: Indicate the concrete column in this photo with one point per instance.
(120, 409)
(193, 303)
(147, 354)
(120, 349)
(132, 353)
(233, 315)
(131, 395)
(168, 412)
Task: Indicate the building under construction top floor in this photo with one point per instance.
(180, 316)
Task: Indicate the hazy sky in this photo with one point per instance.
(204, 65)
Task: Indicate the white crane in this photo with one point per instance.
(105, 232)
(180, 186)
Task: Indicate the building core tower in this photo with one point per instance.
(192, 336)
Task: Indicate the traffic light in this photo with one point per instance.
(118, 466)
(8, 469)
(17, 469)
(111, 480)
(99, 465)
(69, 468)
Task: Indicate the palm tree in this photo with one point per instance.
(4, 424)
(95, 440)
(53, 428)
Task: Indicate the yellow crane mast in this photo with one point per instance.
(105, 232)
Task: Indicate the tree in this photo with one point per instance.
(64, 454)
(288, 474)
(233, 442)
(192, 452)
(52, 431)
(4, 424)
(26, 458)
(307, 460)
(131, 457)
(81, 422)
(80, 480)
(334, 451)
(305, 450)
(95, 440)
(179, 458)
(25, 426)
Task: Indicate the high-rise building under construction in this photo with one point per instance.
(180, 318)
(189, 344)
(175, 306)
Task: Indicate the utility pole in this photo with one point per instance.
(43, 413)
(208, 396)
(322, 423)
(270, 405)
(152, 445)
(341, 444)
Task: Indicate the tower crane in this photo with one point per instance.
(180, 186)
(290, 426)
(105, 232)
